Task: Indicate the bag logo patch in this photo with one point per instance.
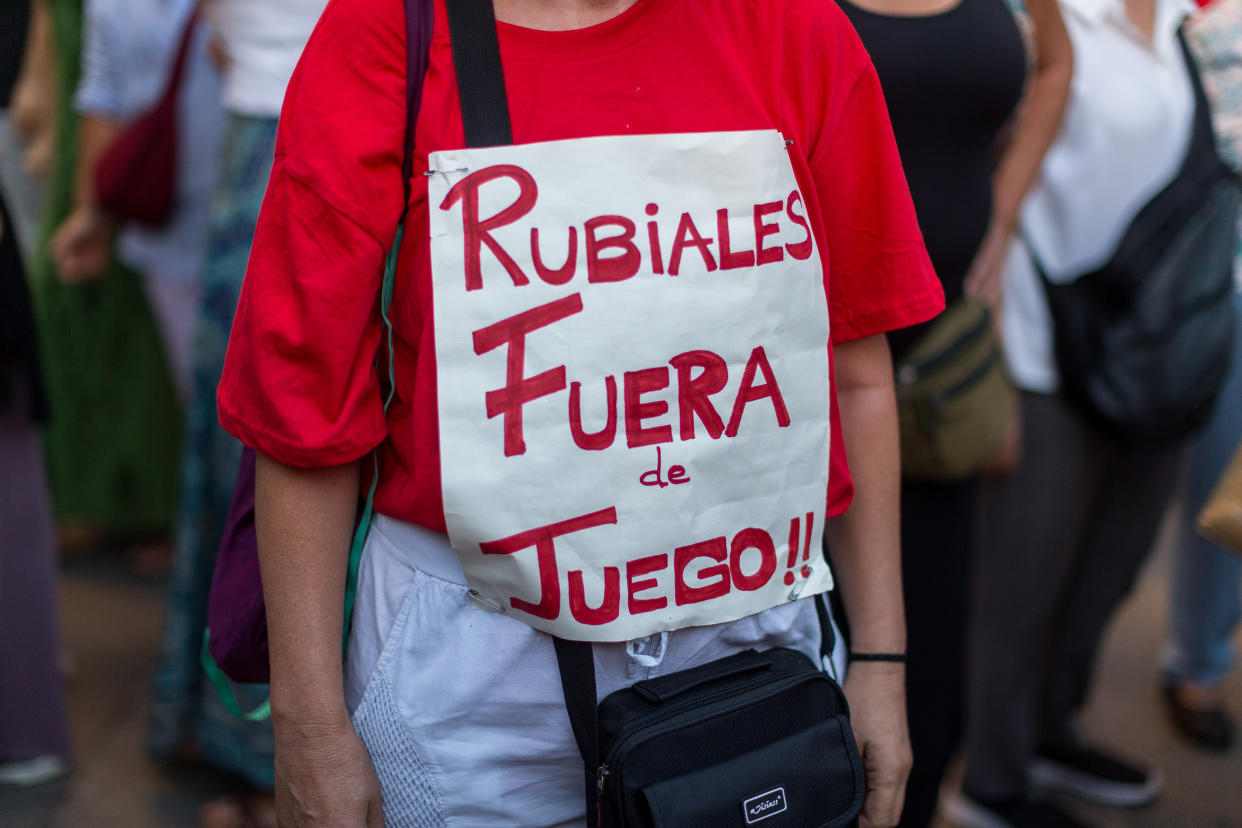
(759, 808)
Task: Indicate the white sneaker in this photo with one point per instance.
(34, 771)
(966, 812)
(1095, 777)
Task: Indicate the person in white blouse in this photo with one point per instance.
(259, 43)
(1063, 537)
(129, 51)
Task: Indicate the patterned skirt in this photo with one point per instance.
(185, 710)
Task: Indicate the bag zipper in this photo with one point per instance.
(604, 771)
(944, 394)
(912, 372)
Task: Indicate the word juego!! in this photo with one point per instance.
(700, 571)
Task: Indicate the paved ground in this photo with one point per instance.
(1202, 790)
(112, 625)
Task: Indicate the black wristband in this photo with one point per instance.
(897, 658)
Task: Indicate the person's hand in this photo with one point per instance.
(877, 697)
(31, 108)
(81, 246)
(36, 161)
(218, 52)
(324, 778)
(1005, 460)
(985, 276)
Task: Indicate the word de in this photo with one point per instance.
(694, 573)
(676, 474)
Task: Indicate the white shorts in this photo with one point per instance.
(462, 710)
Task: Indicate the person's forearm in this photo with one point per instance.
(37, 59)
(33, 91)
(95, 135)
(865, 542)
(1039, 118)
(304, 519)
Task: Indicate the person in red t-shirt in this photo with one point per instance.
(737, 199)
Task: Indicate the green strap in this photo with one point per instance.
(224, 688)
(364, 524)
(390, 279)
(355, 551)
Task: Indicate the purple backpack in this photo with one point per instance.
(235, 640)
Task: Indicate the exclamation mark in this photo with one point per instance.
(806, 549)
(795, 526)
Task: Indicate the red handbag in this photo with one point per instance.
(136, 178)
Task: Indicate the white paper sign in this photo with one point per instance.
(632, 353)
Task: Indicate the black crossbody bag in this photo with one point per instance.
(756, 738)
(753, 738)
(1143, 343)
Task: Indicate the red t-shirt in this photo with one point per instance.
(299, 380)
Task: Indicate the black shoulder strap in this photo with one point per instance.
(1201, 129)
(485, 116)
(827, 638)
(1201, 152)
(419, 22)
(577, 665)
(480, 77)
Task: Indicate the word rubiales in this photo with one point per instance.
(616, 235)
(611, 252)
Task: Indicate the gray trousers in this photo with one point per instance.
(34, 718)
(1060, 544)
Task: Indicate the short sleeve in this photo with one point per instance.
(880, 277)
(299, 381)
(100, 85)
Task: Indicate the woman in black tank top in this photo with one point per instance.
(952, 81)
(953, 77)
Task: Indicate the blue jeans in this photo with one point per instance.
(1206, 594)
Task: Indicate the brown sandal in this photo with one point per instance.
(240, 810)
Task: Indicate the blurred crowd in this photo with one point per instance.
(1031, 135)
(112, 402)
